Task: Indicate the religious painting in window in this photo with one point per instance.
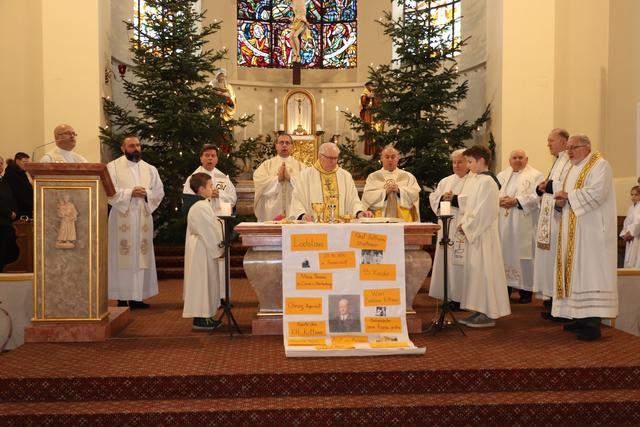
(140, 12)
(444, 14)
(264, 34)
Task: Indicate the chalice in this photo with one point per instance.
(318, 208)
(333, 204)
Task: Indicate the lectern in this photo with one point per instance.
(70, 252)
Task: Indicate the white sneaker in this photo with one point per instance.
(481, 321)
(469, 318)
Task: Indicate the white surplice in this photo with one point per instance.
(201, 289)
(592, 286)
(456, 185)
(58, 155)
(273, 197)
(485, 287)
(308, 190)
(132, 266)
(548, 220)
(226, 189)
(517, 225)
(632, 225)
(375, 197)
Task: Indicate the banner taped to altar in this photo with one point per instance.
(343, 290)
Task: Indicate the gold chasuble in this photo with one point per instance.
(330, 189)
(563, 275)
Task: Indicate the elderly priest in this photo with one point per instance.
(326, 183)
(65, 139)
(392, 192)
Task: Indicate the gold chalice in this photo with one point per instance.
(318, 208)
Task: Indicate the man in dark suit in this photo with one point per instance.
(8, 248)
(345, 321)
(21, 187)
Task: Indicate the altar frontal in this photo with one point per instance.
(343, 290)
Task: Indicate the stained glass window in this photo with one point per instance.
(264, 34)
(443, 13)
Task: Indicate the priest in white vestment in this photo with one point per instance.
(65, 139)
(548, 220)
(201, 288)
(485, 287)
(274, 181)
(630, 232)
(392, 192)
(450, 189)
(518, 219)
(586, 287)
(139, 191)
(326, 183)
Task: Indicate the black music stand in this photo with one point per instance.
(441, 322)
(226, 305)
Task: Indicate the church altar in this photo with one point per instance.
(263, 267)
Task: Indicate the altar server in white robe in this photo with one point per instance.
(586, 257)
(450, 189)
(139, 191)
(548, 220)
(65, 139)
(224, 192)
(630, 232)
(391, 192)
(485, 287)
(327, 183)
(518, 218)
(274, 181)
(201, 253)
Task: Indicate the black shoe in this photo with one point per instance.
(138, 304)
(575, 326)
(454, 306)
(560, 319)
(589, 333)
(524, 300)
(205, 324)
(122, 303)
(547, 304)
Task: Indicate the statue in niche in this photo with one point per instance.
(368, 102)
(299, 27)
(224, 89)
(68, 215)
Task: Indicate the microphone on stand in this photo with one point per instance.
(33, 154)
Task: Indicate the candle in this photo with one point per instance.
(337, 132)
(318, 128)
(260, 119)
(275, 113)
(281, 127)
(445, 208)
(322, 112)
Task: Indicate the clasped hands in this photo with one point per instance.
(283, 173)
(139, 192)
(561, 197)
(391, 187)
(507, 202)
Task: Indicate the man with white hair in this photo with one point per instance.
(585, 267)
(65, 138)
(326, 183)
(449, 189)
(392, 192)
(517, 220)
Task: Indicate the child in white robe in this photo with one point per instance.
(201, 275)
(631, 231)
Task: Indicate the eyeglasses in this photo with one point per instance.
(572, 148)
(329, 158)
(70, 133)
(284, 142)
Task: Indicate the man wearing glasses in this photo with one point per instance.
(65, 139)
(274, 181)
(329, 184)
(585, 267)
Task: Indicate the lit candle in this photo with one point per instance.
(260, 119)
(322, 112)
(275, 113)
(281, 127)
(337, 132)
(445, 208)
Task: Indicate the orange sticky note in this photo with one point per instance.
(382, 324)
(303, 305)
(360, 240)
(308, 242)
(348, 339)
(330, 260)
(376, 297)
(385, 272)
(389, 344)
(308, 328)
(306, 341)
(314, 281)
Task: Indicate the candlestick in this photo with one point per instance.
(322, 112)
(445, 208)
(337, 132)
(260, 119)
(275, 114)
(281, 129)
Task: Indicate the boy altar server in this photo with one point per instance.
(201, 274)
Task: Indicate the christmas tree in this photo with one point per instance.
(417, 93)
(178, 109)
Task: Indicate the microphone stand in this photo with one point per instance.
(226, 306)
(33, 153)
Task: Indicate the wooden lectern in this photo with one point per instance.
(70, 252)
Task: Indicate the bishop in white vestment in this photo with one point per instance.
(450, 189)
(65, 139)
(139, 191)
(518, 218)
(392, 192)
(274, 181)
(585, 270)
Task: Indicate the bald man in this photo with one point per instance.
(517, 221)
(65, 138)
